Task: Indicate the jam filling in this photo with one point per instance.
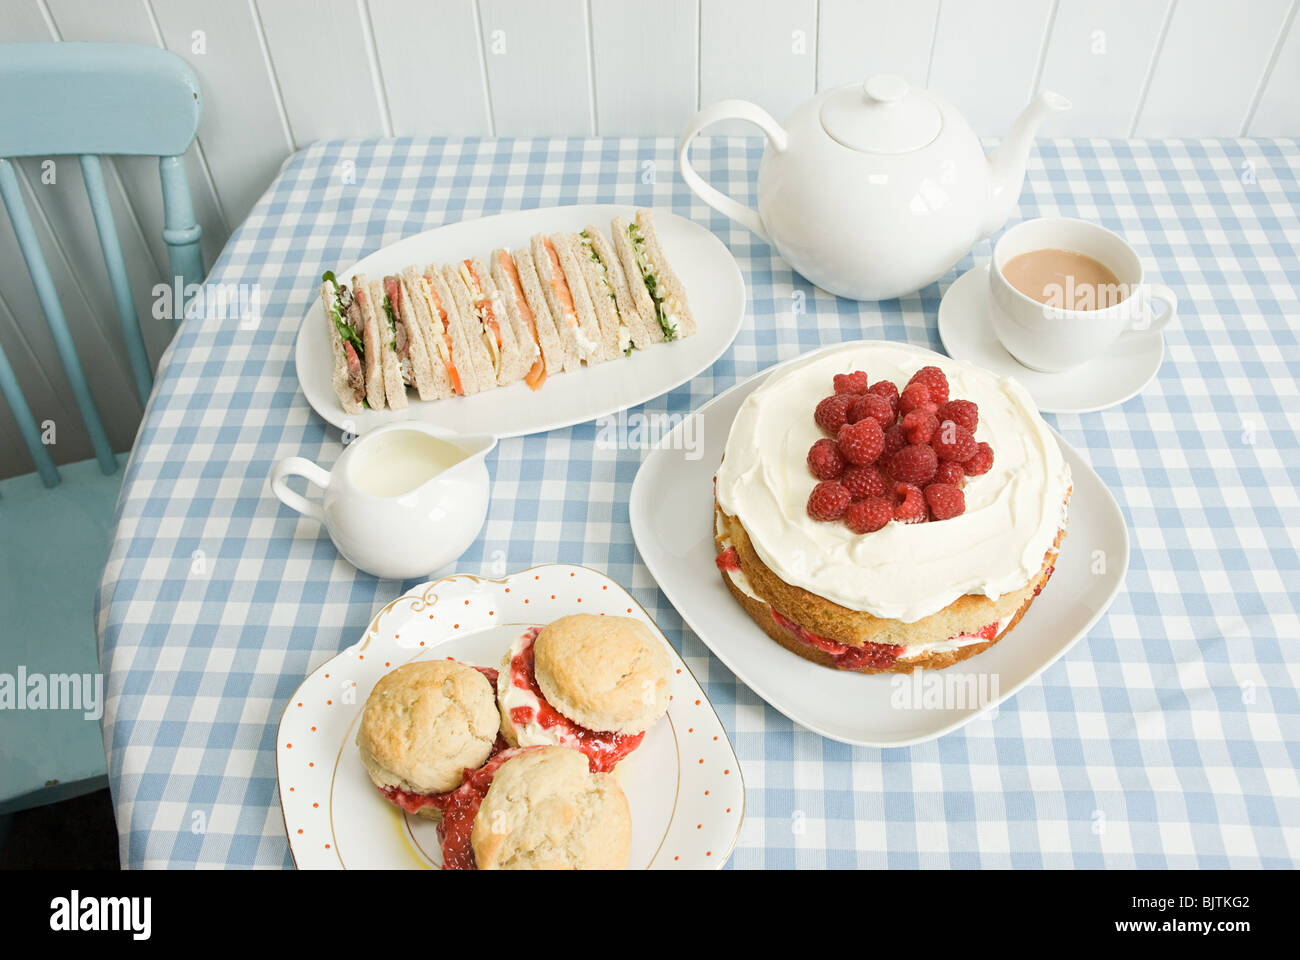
(460, 807)
(879, 656)
(604, 749)
(415, 802)
(728, 559)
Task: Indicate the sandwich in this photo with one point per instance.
(383, 365)
(568, 299)
(593, 683)
(456, 330)
(479, 302)
(468, 352)
(419, 310)
(347, 336)
(654, 285)
(622, 326)
(516, 278)
(410, 341)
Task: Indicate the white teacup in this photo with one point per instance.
(1051, 338)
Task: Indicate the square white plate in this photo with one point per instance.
(672, 522)
(706, 268)
(683, 784)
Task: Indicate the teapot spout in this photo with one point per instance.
(1007, 163)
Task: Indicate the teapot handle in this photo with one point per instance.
(728, 110)
(300, 467)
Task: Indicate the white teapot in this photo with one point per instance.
(874, 190)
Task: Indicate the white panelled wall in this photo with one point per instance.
(279, 74)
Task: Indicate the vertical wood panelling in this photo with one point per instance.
(65, 228)
(1211, 64)
(1098, 56)
(430, 61)
(322, 63)
(127, 21)
(242, 135)
(856, 38)
(644, 65)
(90, 316)
(1278, 111)
(759, 50)
(278, 74)
(537, 67)
(985, 57)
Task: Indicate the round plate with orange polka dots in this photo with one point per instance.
(683, 784)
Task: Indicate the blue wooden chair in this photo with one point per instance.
(87, 100)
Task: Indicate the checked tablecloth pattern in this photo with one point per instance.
(1170, 736)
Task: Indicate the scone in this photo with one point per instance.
(546, 810)
(422, 726)
(893, 521)
(592, 683)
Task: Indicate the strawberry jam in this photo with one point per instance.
(415, 802)
(876, 655)
(460, 806)
(604, 749)
(728, 559)
(879, 656)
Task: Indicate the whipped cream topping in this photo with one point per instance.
(903, 571)
(532, 733)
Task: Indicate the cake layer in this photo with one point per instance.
(902, 572)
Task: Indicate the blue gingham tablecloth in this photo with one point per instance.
(1169, 737)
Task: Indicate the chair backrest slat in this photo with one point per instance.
(93, 99)
(181, 231)
(26, 422)
(93, 174)
(44, 283)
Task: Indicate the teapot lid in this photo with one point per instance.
(884, 115)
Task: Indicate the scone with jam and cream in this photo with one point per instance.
(880, 507)
(423, 726)
(547, 810)
(593, 683)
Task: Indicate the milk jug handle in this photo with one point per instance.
(299, 467)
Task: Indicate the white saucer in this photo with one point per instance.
(1119, 373)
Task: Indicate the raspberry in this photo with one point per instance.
(920, 426)
(950, 471)
(728, 559)
(863, 482)
(833, 412)
(828, 501)
(869, 515)
(854, 383)
(916, 396)
(824, 460)
(981, 462)
(887, 391)
(895, 440)
(964, 413)
(873, 406)
(911, 503)
(945, 500)
(953, 442)
(862, 442)
(934, 379)
(914, 464)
